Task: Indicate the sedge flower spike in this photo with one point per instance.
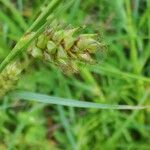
(62, 47)
(9, 76)
(56, 45)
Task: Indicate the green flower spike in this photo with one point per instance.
(58, 46)
(9, 76)
(62, 47)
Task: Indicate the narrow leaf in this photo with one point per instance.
(68, 102)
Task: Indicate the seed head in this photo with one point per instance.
(9, 76)
(62, 45)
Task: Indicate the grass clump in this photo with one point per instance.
(121, 80)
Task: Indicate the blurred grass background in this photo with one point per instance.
(120, 77)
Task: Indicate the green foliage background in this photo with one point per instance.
(120, 77)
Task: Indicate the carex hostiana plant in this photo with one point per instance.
(9, 68)
(55, 45)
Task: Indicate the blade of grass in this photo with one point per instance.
(16, 14)
(62, 112)
(74, 10)
(28, 37)
(130, 27)
(117, 134)
(68, 102)
(64, 85)
(66, 126)
(105, 69)
(20, 5)
(10, 23)
(89, 79)
(43, 15)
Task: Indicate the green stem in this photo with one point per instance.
(23, 44)
(132, 37)
(44, 15)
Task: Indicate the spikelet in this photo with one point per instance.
(9, 76)
(62, 47)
